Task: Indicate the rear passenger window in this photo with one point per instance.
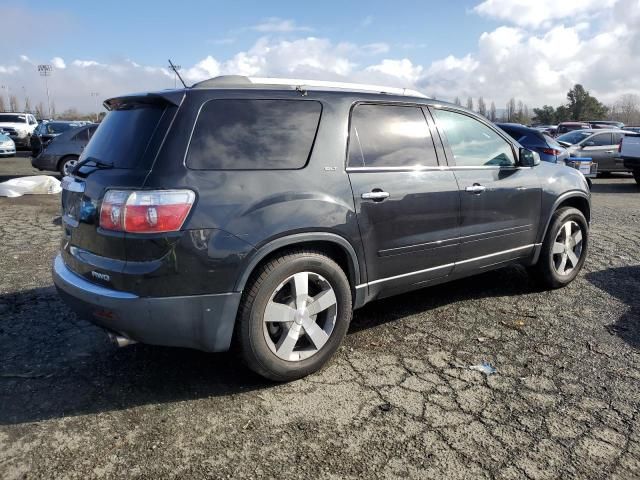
(601, 140)
(254, 134)
(81, 136)
(390, 136)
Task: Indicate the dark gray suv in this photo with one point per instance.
(262, 214)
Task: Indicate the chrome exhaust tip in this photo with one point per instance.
(119, 340)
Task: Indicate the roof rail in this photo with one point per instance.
(296, 83)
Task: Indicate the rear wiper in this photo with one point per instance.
(95, 163)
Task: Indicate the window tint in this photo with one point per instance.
(91, 131)
(617, 138)
(253, 134)
(124, 134)
(600, 140)
(472, 143)
(81, 136)
(390, 136)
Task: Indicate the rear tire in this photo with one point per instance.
(294, 313)
(564, 249)
(67, 164)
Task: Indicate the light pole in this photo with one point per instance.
(45, 71)
(175, 69)
(6, 87)
(95, 96)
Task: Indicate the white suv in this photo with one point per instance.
(19, 126)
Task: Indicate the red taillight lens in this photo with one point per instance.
(551, 151)
(151, 211)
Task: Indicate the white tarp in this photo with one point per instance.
(36, 184)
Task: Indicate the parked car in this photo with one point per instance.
(565, 127)
(19, 126)
(599, 145)
(605, 124)
(7, 145)
(47, 131)
(630, 154)
(533, 139)
(632, 129)
(264, 211)
(62, 152)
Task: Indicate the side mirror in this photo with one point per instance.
(529, 158)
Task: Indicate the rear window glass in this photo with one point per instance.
(254, 134)
(124, 134)
(7, 118)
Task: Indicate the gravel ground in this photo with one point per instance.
(398, 401)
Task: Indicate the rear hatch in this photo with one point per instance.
(119, 156)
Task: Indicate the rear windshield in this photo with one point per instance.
(124, 134)
(12, 118)
(254, 134)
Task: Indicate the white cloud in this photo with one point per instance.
(536, 66)
(279, 25)
(58, 62)
(536, 13)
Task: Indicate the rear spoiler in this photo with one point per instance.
(170, 97)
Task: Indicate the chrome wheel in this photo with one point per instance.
(300, 316)
(68, 166)
(567, 248)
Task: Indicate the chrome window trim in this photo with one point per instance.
(433, 168)
(483, 257)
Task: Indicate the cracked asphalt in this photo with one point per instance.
(398, 401)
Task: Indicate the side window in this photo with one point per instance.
(617, 138)
(390, 136)
(81, 136)
(473, 143)
(600, 140)
(254, 134)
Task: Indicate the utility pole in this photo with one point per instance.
(175, 69)
(45, 71)
(95, 96)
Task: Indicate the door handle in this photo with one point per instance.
(610, 151)
(376, 195)
(475, 188)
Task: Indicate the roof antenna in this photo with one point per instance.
(175, 70)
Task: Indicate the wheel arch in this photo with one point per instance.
(576, 199)
(335, 246)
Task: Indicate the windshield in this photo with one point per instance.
(574, 137)
(123, 136)
(4, 137)
(551, 141)
(56, 127)
(9, 118)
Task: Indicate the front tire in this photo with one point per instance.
(293, 316)
(564, 249)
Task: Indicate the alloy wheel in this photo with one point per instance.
(567, 248)
(68, 166)
(300, 316)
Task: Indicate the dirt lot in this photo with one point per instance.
(399, 399)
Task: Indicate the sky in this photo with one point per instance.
(531, 50)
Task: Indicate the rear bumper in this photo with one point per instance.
(203, 322)
(45, 162)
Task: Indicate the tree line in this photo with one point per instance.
(580, 106)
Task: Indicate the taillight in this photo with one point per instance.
(551, 151)
(145, 211)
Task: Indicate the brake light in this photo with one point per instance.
(145, 211)
(551, 151)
